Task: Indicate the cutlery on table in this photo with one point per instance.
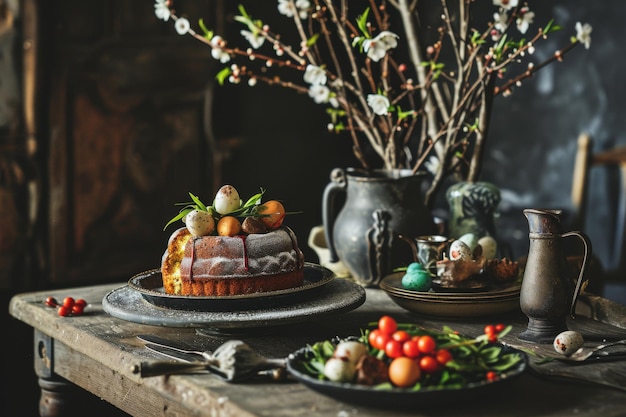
(232, 361)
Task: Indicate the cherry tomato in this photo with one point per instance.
(426, 344)
(381, 340)
(499, 327)
(387, 324)
(404, 372)
(443, 356)
(491, 376)
(401, 336)
(77, 309)
(81, 302)
(490, 330)
(393, 348)
(410, 349)
(64, 311)
(428, 364)
(371, 338)
(493, 338)
(68, 302)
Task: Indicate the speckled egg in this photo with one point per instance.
(417, 280)
(568, 342)
(470, 240)
(489, 246)
(460, 250)
(415, 267)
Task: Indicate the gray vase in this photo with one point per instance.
(379, 207)
(473, 207)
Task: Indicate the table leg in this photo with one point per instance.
(52, 402)
(54, 389)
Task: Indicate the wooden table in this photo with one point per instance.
(97, 352)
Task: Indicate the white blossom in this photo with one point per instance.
(377, 47)
(432, 164)
(314, 75)
(182, 26)
(524, 21)
(506, 4)
(217, 52)
(500, 21)
(161, 10)
(583, 34)
(319, 93)
(256, 39)
(379, 103)
(289, 9)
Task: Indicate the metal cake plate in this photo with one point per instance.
(150, 285)
(337, 296)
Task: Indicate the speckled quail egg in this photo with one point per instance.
(199, 223)
(460, 250)
(414, 267)
(416, 278)
(470, 240)
(568, 342)
(226, 200)
(489, 247)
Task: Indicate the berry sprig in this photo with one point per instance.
(69, 307)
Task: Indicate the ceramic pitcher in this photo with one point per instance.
(549, 292)
(379, 206)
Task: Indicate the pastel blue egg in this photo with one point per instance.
(415, 267)
(417, 281)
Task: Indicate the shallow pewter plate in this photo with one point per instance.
(393, 283)
(150, 285)
(448, 305)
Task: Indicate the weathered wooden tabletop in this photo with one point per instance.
(97, 352)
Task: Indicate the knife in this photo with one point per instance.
(172, 346)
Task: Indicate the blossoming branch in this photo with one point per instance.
(413, 104)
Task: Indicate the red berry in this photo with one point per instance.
(491, 376)
(64, 311)
(77, 309)
(81, 302)
(490, 330)
(51, 302)
(68, 302)
(500, 327)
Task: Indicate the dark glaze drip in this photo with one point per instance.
(245, 251)
(193, 255)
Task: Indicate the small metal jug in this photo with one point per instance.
(548, 293)
(428, 249)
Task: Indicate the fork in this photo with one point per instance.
(598, 352)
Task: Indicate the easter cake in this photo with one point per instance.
(231, 248)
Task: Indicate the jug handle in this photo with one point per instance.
(412, 244)
(587, 253)
(336, 185)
